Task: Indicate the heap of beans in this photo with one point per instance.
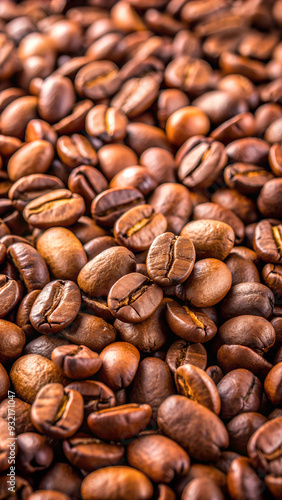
(141, 250)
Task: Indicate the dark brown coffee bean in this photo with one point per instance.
(30, 266)
(268, 241)
(272, 276)
(95, 279)
(275, 159)
(98, 245)
(87, 182)
(120, 422)
(59, 208)
(169, 100)
(237, 127)
(64, 478)
(202, 447)
(149, 335)
(44, 345)
(57, 412)
(136, 176)
(138, 227)
(76, 150)
(96, 395)
(272, 385)
(141, 136)
(207, 285)
(247, 178)
(56, 98)
(241, 428)
(242, 270)
(109, 205)
(97, 80)
(189, 324)
(240, 204)
(174, 202)
(62, 252)
(200, 162)
(106, 123)
(264, 447)
(74, 122)
(104, 483)
(9, 295)
(243, 482)
(144, 390)
(239, 391)
(33, 158)
(214, 211)
(233, 357)
(76, 361)
(134, 298)
(32, 186)
(211, 238)
(215, 373)
(182, 352)
(269, 199)
(248, 150)
(89, 453)
(159, 457)
(220, 105)
(248, 298)
(196, 385)
(117, 372)
(17, 114)
(91, 331)
(34, 454)
(4, 383)
(170, 259)
(200, 487)
(85, 229)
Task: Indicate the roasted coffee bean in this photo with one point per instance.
(207, 285)
(200, 487)
(215, 373)
(135, 176)
(120, 362)
(56, 98)
(269, 199)
(64, 478)
(144, 390)
(30, 265)
(90, 453)
(56, 307)
(112, 483)
(149, 335)
(62, 252)
(210, 238)
(275, 159)
(115, 157)
(9, 295)
(186, 122)
(138, 227)
(108, 206)
(239, 391)
(196, 385)
(98, 276)
(56, 411)
(119, 423)
(32, 186)
(76, 150)
(4, 382)
(170, 259)
(242, 270)
(40, 130)
(35, 454)
(87, 182)
(241, 428)
(248, 298)
(220, 105)
(159, 457)
(97, 80)
(91, 331)
(17, 114)
(201, 447)
(233, 357)
(58, 208)
(189, 324)
(44, 345)
(238, 127)
(214, 211)
(240, 204)
(76, 361)
(264, 447)
(33, 158)
(248, 150)
(268, 240)
(96, 395)
(243, 482)
(182, 352)
(141, 136)
(247, 178)
(22, 317)
(106, 123)
(174, 202)
(272, 385)
(134, 298)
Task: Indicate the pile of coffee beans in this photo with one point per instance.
(141, 250)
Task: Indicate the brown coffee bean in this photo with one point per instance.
(138, 227)
(159, 457)
(141, 136)
(56, 307)
(238, 127)
(4, 382)
(116, 371)
(174, 202)
(76, 361)
(239, 391)
(275, 159)
(211, 238)
(40, 130)
(134, 298)
(119, 423)
(89, 453)
(109, 205)
(247, 178)
(267, 241)
(76, 150)
(57, 412)
(248, 150)
(240, 204)
(233, 357)
(59, 208)
(196, 385)
(129, 482)
(183, 352)
(91, 331)
(248, 298)
(160, 163)
(9, 295)
(115, 157)
(189, 324)
(136, 176)
(186, 122)
(269, 199)
(17, 114)
(35, 454)
(144, 390)
(97, 80)
(33, 158)
(272, 385)
(96, 395)
(272, 276)
(220, 105)
(29, 264)
(170, 259)
(197, 488)
(242, 270)
(264, 447)
(63, 477)
(169, 100)
(106, 123)
(202, 447)
(241, 428)
(56, 98)
(32, 186)
(214, 211)
(243, 482)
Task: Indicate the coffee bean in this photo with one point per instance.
(76, 150)
(189, 324)
(215, 211)
(210, 238)
(196, 385)
(264, 447)
(107, 207)
(242, 427)
(9, 295)
(135, 176)
(33, 158)
(174, 202)
(239, 391)
(182, 352)
(107, 124)
(76, 361)
(248, 179)
(240, 476)
(87, 182)
(29, 264)
(248, 298)
(268, 240)
(90, 453)
(32, 186)
(34, 453)
(97, 80)
(233, 357)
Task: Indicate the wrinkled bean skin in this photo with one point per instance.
(30, 266)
